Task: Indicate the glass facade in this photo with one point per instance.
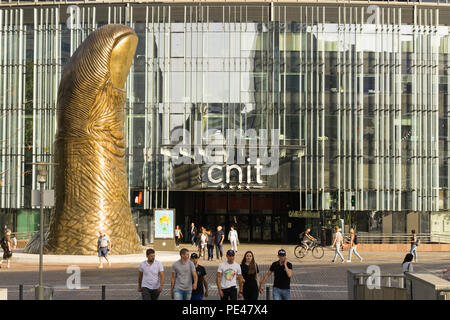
(347, 104)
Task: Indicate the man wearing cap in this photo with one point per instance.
(227, 274)
(198, 293)
(282, 270)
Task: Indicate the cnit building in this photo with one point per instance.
(348, 102)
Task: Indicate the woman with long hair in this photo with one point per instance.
(414, 244)
(250, 272)
(406, 264)
(353, 244)
(6, 245)
(210, 245)
(178, 235)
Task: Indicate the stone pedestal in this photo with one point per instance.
(164, 245)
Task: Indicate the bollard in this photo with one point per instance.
(103, 292)
(267, 292)
(143, 238)
(20, 291)
(47, 293)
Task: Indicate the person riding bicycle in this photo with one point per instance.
(306, 238)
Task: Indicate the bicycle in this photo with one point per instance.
(317, 250)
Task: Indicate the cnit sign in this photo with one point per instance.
(247, 153)
(239, 170)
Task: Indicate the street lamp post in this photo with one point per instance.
(42, 179)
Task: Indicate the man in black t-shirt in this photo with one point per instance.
(282, 270)
(198, 293)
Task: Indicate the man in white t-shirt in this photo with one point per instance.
(233, 238)
(151, 277)
(227, 275)
(103, 248)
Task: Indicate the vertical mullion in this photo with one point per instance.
(399, 106)
(300, 111)
(322, 107)
(338, 127)
(414, 114)
(146, 117)
(436, 155)
(342, 92)
(361, 200)
(20, 144)
(311, 109)
(3, 113)
(377, 114)
(169, 73)
(318, 190)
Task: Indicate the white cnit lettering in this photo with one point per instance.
(228, 169)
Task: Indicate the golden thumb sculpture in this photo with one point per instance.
(91, 184)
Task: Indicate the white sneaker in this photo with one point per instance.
(349, 260)
(100, 266)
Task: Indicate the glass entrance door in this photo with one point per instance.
(212, 221)
(241, 224)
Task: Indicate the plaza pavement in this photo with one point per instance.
(312, 278)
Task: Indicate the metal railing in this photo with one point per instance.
(386, 280)
(396, 238)
(24, 235)
(22, 289)
(382, 287)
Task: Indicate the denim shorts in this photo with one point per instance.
(103, 252)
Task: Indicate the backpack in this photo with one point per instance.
(4, 244)
(302, 236)
(355, 239)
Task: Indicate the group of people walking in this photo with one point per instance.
(233, 280)
(338, 244)
(339, 241)
(206, 240)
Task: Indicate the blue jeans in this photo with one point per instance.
(353, 249)
(338, 252)
(210, 252)
(197, 297)
(281, 294)
(414, 251)
(182, 294)
(192, 239)
(219, 251)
